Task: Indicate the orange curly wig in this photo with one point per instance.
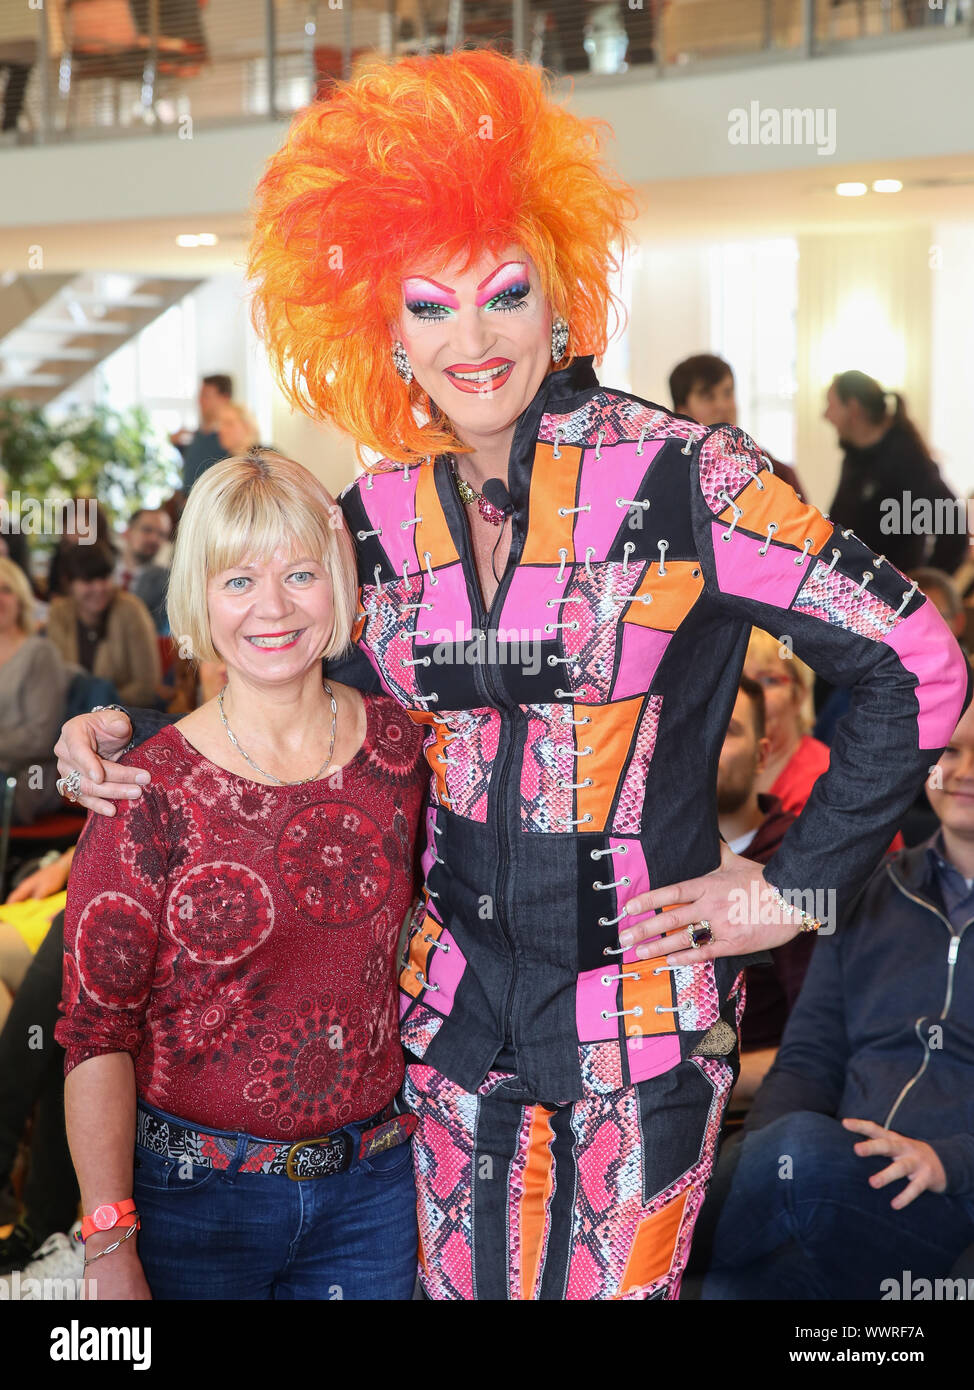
(414, 163)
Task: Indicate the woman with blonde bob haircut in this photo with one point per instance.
(249, 506)
(230, 1017)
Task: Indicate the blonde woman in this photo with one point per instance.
(230, 939)
(33, 693)
(236, 428)
(795, 759)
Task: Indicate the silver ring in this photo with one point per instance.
(70, 786)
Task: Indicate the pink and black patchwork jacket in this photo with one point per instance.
(574, 729)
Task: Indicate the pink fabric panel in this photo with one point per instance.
(445, 969)
(615, 474)
(771, 578)
(524, 614)
(642, 652)
(450, 619)
(389, 501)
(649, 1056)
(632, 865)
(924, 644)
(591, 997)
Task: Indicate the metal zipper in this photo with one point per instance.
(500, 700)
(952, 953)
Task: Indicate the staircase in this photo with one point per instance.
(54, 329)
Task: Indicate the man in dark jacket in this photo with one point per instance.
(754, 823)
(871, 1086)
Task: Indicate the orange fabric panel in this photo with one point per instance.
(654, 1245)
(432, 533)
(641, 987)
(439, 748)
(673, 593)
(419, 1241)
(797, 522)
(553, 484)
(538, 1186)
(610, 736)
(418, 959)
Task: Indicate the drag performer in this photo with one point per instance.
(557, 580)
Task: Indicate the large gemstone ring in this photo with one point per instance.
(700, 934)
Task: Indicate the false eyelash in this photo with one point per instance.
(512, 306)
(515, 296)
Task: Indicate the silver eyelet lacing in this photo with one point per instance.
(772, 527)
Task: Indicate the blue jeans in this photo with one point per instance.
(823, 1232)
(216, 1234)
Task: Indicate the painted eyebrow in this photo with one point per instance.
(445, 289)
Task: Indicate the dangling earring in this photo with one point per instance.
(559, 339)
(402, 362)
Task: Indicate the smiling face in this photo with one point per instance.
(953, 802)
(271, 620)
(479, 342)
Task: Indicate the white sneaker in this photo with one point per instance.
(54, 1273)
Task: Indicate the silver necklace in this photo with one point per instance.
(246, 756)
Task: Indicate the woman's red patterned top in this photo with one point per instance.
(239, 939)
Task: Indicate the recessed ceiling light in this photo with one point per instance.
(207, 239)
(887, 186)
(187, 239)
(851, 190)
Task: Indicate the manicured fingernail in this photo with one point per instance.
(625, 940)
(143, 778)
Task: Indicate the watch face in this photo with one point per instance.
(104, 1218)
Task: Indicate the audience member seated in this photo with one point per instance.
(856, 1162)
(138, 571)
(754, 823)
(105, 630)
(795, 760)
(33, 692)
(703, 388)
(82, 521)
(32, 1081)
(237, 429)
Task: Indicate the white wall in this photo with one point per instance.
(864, 303)
(951, 274)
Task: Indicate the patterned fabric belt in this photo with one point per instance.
(308, 1158)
